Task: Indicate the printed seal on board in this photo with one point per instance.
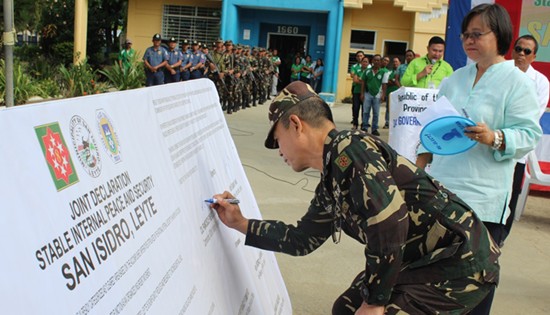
(85, 146)
(57, 155)
(108, 135)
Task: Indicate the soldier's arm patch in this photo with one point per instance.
(343, 161)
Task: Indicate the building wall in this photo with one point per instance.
(391, 19)
(145, 18)
(391, 24)
(234, 10)
(425, 29)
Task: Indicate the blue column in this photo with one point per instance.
(332, 48)
(229, 22)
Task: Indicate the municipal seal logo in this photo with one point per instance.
(85, 146)
(108, 135)
(57, 155)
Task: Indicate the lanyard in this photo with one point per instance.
(433, 70)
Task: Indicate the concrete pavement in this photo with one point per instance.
(316, 280)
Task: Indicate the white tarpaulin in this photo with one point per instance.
(406, 106)
(103, 209)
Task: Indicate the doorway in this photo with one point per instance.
(287, 46)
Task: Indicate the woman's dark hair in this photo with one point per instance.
(497, 19)
(321, 60)
(411, 51)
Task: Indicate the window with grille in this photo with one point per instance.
(192, 23)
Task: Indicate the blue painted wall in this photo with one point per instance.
(323, 17)
(310, 24)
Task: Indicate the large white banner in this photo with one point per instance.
(103, 209)
(406, 105)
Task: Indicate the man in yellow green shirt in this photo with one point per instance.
(428, 71)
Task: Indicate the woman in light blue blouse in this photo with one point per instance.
(502, 101)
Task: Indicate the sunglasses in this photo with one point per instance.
(526, 51)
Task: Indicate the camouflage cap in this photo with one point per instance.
(228, 42)
(290, 96)
(219, 41)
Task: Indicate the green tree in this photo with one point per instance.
(106, 18)
(26, 13)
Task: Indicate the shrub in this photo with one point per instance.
(63, 53)
(48, 88)
(126, 78)
(78, 80)
(27, 53)
(23, 87)
(42, 69)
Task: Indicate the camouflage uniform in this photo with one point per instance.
(254, 67)
(237, 78)
(426, 251)
(217, 58)
(245, 78)
(230, 83)
(263, 69)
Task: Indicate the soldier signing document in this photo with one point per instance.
(426, 252)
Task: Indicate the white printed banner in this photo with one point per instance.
(406, 106)
(103, 209)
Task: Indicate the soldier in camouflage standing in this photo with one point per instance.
(253, 60)
(262, 79)
(218, 72)
(245, 77)
(270, 72)
(426, 251)
(229, 75)
(238, 77)
(267, 73)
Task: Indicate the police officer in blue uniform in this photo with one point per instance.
(185, 64)
(172, 71)
(155, 59)
(197, 61)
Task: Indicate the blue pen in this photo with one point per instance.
(231, 201)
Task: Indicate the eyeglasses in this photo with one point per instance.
(473, 35)
(526, 51)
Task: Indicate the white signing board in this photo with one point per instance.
(103, 209)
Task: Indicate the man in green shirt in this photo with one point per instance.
(125, 56)
(356, 87)
(428, 71)
(373, 92)
(356, 96)
(393, 85)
